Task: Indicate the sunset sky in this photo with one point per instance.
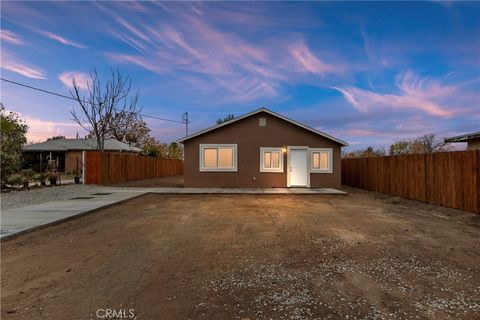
(367, 73)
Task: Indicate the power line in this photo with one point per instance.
(71, 98)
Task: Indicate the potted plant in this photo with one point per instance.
(52, 178)
(26, 182)
(77, 179)
(27, 176)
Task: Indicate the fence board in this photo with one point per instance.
(450, 179)
(107, 168)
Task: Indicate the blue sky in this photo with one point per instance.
(369, 73)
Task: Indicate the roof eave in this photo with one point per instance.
(198, 133)
(464, 137)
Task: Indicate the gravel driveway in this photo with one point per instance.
(17, 199)
(361, 256)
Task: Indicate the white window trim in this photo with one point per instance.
(212, 145)
(330, 160)
(271, 149)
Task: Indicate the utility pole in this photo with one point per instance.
(185, 118)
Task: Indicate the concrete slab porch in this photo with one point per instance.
(164, 190)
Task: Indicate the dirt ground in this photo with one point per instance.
(361, 256)
(168, 182)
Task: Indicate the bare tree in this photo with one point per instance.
(100, 103)
(427, 143)
(226, 119)
(431, 143)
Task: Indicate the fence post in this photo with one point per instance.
(83, 166)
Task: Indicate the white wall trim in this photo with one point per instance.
(281, 159)
(217, 145)
(329, 151)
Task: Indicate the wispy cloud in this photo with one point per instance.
(199, 50)
(309, 62)
(9, 36)
(424, 94)
(191, 46)
(82, 78)
(62, 40)
(11, 63)
(367, 47)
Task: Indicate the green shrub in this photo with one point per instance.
(13, 132)
(39, 177)
(28, 174)
(15, 179)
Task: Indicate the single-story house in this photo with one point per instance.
(262, 149)
(472, 140)
(65, 154)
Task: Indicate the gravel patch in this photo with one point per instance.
(17, 199)
(299, 288)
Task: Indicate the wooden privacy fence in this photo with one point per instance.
(450, 179)
(106, 168)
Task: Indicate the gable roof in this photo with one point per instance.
(464, 137)
(79, 144)
(320, 133)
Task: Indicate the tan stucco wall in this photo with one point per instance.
(71, 161)
(250, 137)
(473, 144)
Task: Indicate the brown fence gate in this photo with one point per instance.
(107, 168)
(450, 179)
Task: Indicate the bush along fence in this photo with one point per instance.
(450, 179)
(107, 168)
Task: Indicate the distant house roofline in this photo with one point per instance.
(320, 133)
(63, 145)
(464, 137)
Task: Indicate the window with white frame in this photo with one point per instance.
(218, 157)
(321, 160)
(271, 160)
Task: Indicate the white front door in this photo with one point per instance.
(298, 167)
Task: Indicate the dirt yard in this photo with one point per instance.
(361, 256)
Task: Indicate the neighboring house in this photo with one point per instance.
(262, 149)
(472, 140)
(64, 153)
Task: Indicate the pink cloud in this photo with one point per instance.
(350, 98)
(82, 78)
(9, 36)
(11, 63)
(143, 62)
(62, 40)
(424, 94)
(39, 129)
(234, 67)
(414, 85)
(230, 65)
(309, 62)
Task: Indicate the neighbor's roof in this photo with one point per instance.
(464, 137)
(323, 134)
(79, 144)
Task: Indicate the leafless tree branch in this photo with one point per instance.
(99, 104)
